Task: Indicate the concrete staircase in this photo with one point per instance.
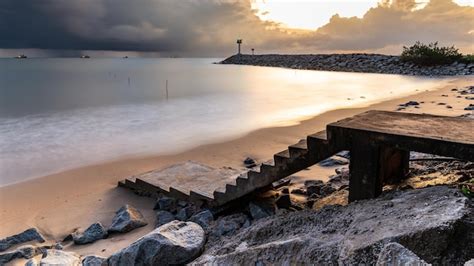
(297, 157)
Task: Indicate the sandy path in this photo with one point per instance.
(58, 203)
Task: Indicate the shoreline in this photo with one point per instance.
(58, 203)
(363, 63)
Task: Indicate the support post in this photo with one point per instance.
(364, 182)
(393, 164)
(372, 165)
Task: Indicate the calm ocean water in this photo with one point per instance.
(57, 114)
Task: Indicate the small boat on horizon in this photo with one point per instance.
(85, 56)
(22, 56)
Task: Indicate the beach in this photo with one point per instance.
(57, 204)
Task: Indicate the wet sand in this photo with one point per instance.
(57, 204)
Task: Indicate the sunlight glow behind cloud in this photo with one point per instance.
(312, 14)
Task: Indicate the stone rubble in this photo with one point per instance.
(369, 63)
(26, 236)
(93, 233)
(170, 244)
(126, 219)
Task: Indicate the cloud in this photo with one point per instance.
(210, 27)
(397, 24)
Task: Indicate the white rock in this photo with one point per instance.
(173, 243)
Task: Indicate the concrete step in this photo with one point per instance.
(281, 158)
(294, 159)
(298, 149)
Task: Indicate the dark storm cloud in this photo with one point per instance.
(210, 27)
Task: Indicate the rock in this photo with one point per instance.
(470, 107)
(315, 182)
(126, 219)
(283, 201)
(410, 103)
(164, 217)
(93, 260)
(259, 210)
(249, 162)
(333, 161)
(313, 187)
(26, 236)
(228, 225)
(344, 154)
(165, 204)
(469, 263)
(203, 218)
(93, 233)
(326, 190)
(56, 257)
(172, 243)
(436, 223)
(396, 254)
(299, 191)
(185, 213)
(26, 252)
(182, 203)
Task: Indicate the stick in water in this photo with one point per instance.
(166, 89)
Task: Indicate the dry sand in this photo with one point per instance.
(59, 203)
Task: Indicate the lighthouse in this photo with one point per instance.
(239, 42)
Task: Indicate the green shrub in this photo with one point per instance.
(431, 54)
(468, 59)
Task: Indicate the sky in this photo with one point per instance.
(209, 28)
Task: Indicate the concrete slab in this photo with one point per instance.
(191, 176)
(455, 129)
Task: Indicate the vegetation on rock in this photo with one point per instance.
(430, 54)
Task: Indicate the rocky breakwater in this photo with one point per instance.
(369, 63)
(435, 225)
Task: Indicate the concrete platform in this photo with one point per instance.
(187, 178)
(379, 143)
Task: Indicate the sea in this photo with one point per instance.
(62, 113)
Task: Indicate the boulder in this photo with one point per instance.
(172, 243)
(326, 190)
(165, 204)
(26, 236)
(93, 233)
(93, 260)
(333, 161)
(469, 263)
(260, 210)
(396, 254)
(185, 213)
(26, 252)
(228, 225)
(163, 217)
(126, 219)
(283, 201)
(436, 223)
(56, 257)
(203, 218)
(313, 187)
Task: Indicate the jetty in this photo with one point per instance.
(379, 143)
